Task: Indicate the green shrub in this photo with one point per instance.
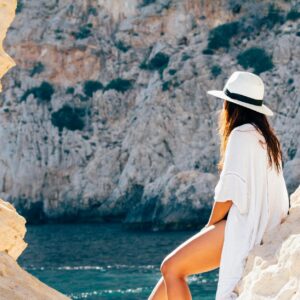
(293, 15)
(176, 84)
(170, 83)
(92, 11)
(159, 61)
(84, 32)
(91, 86)
(58, 33)
(70, 90)
(37, 69)
(236, 8)
(220, 36)
(207, 51)
(122, 46)
(215, 70)
(197, 164)
(291, 152)
(43, 92)
(166, 5)
(255, 58)
(147, 2)
(20, 6)
(172, 71)
(143, 65)
(119, 84)
(68, 117)
(185, 56)
(274, 16)
(165, 86)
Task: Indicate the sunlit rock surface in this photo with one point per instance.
(7, 14)
(12, 230)
(273, 269)
(16, 283)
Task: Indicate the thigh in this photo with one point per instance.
(200, 253)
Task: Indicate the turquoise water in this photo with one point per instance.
(105, 261)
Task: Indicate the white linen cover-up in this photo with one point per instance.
(260, 201)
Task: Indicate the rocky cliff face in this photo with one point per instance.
(273, 269)
(106, 115)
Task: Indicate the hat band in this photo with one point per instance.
(244, 98)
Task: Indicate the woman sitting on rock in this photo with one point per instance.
(250, 197)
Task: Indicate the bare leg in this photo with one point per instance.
(159, 291)
(200, 253)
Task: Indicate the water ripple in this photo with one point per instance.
(98, 268)
(85, 295)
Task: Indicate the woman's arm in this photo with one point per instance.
(219, 211)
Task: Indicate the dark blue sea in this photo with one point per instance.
(105, 261)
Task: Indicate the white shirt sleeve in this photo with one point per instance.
(232, 184)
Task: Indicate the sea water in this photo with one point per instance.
(105, 261)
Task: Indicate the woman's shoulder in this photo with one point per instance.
(245, 127)
(247, 131)
(246, 136)
(241, 132)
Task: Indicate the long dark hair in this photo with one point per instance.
(233, 115)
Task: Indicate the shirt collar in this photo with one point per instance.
(246, 127)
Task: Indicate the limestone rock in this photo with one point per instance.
(12, 230)
(273, 269)
(7, 14)
(15, 283)
(178, 200)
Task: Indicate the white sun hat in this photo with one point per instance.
(245, 89)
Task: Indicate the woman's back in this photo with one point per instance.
(274, 186)
(278, 198)
(266, 187)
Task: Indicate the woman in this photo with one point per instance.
(250, 197)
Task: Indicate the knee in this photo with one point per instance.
(165, 267)
(168, 268)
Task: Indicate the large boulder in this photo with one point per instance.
(272, 269)
(12, 230)
(15, 283)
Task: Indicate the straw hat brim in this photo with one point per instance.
(261, 109)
